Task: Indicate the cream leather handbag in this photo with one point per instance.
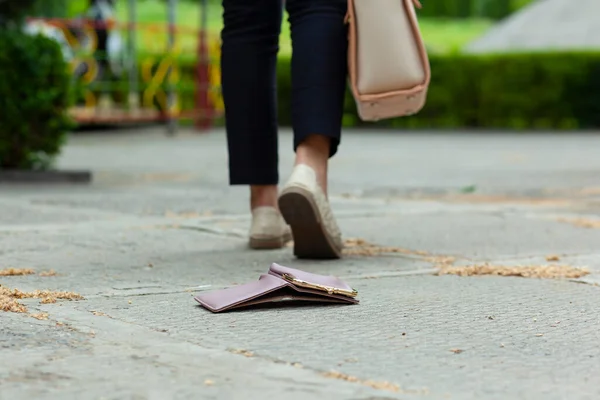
(388, 63)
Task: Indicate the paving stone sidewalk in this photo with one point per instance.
(159, 224)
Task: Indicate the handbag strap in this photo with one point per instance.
(416, 3)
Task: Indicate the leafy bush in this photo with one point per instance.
(517, 91)
(511, 91)
(34, 100)
(12, 12)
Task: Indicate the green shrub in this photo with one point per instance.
(513, 91)
(34, 100)
(518, 91)
(12, 13)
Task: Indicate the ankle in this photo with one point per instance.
(314, 152)
(263, 196)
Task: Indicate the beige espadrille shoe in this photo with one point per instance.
(306, 209)
(268, 229)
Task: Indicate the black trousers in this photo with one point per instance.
(250, 42)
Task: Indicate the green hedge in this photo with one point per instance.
(518, 91)
(34, 100)
(528, 91)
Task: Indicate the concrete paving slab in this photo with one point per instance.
(159, 224)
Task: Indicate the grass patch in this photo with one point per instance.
(448, 35)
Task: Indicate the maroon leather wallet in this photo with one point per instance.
(280, 284)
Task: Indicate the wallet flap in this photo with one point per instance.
(220, 300)
(280, 270)
(330, 281)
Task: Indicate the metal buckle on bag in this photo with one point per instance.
(316, 286)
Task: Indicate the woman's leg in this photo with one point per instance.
(250, 42)
(319, 71)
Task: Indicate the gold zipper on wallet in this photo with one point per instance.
(316, 286)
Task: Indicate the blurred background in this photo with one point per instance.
(69, 65)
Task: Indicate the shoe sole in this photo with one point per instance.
(270, 243)
(310, 236)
